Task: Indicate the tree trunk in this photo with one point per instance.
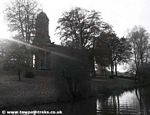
(118, 102)
(112, 68)
(19, 75)
(116, 69)
(92, 63)
(93, 66)
(137, 72)
(105, 74)
(137, 69)
(114, 105)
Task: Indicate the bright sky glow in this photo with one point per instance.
(121, 14)
(130, 99)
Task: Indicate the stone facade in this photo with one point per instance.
(69, 66)
(42, 40)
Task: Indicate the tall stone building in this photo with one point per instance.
(42, 30)
(42, 40)
(69, 66)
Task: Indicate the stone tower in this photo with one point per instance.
(42, 40)
(42, 30)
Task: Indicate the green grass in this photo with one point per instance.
(108, 86)
(41, 89)
(45, 88)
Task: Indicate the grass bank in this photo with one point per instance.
(29, 91)
(44, 88)
(111, 86)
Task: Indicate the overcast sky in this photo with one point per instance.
(121, 14)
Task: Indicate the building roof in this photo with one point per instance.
(42, 15)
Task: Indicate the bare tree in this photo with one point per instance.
(79, 28)
(111, 51)
(21, 16)
(140, 45)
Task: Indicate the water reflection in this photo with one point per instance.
(82, 107)
(85, 107)
(135, 102)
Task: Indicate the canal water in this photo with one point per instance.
(133, 102)
(130, 102)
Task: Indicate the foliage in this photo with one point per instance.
(4, 46)
(110, 50)
(144, 71)
(21, 18)
(112, 76)
(21, 15)
(124, 51)
(102, 50)
(79, 28)
(17, 56)
(140, 46)
(29, 74)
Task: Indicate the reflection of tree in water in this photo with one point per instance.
(114, 105)
(82, 107)
(143, 96)
(111, 106)
(108, 105)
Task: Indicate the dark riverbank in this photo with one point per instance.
(46, 89)
(110, 86)
(29, 91)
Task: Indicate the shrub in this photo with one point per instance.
(29, 74)
(112, 76)
(144, 72)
